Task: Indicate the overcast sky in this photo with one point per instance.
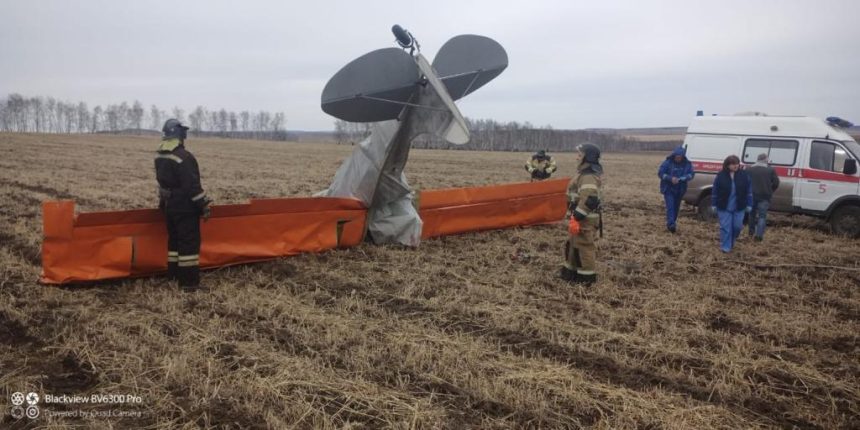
(573, 64)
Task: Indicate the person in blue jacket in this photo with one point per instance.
(731, 198)
(675, 172)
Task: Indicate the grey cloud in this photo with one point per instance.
(572, 64)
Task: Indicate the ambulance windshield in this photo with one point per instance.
(854, 147)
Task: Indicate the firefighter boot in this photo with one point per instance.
(172, 271)
(567, 274)
(189, 279)
(586, 280)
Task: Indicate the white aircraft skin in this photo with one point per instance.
(374, 171)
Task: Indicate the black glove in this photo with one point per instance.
(205, 211)
(163, 197)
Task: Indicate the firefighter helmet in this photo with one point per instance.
(173, 129)
(590, 153)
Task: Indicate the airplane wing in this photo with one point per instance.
(467, 62)
(373, 87)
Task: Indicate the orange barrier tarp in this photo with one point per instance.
(105, 245)
(461, 210)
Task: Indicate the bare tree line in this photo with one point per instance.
(49, 115)
(491, 135)
(350, 132)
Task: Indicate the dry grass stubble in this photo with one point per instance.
(465, 331)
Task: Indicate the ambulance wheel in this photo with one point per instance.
(704, 210)
(845, 221)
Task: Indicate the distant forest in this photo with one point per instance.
(48, 115)
(490, 135)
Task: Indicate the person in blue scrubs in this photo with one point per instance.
(731, 198)
(675, 173)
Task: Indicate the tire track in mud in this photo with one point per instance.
(455, 399)
(51, 192)
(840, 344)
(771, 409)
(641, 378)
(60, 374)
(18, 245)
(460, 404)
(281, 339)
(32, 207)
(597, 366)
(12, 242)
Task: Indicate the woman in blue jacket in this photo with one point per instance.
(675, 172)
(731, 198)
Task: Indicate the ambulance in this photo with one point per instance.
(816, 161)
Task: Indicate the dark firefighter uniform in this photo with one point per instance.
(583, 195)
(540, 165)
(183, 202)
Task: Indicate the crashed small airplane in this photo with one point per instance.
(404, 96)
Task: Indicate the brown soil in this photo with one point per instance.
(469, 331)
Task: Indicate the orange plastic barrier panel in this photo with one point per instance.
(461, 210)
(104, 245)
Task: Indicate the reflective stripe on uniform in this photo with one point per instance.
(586, 272)
(170, 157)
(588, 187)
(198, 197)
(584, 214)
(172, 256)
(189, 260)
(168, 145)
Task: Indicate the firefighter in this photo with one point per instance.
(583, 194)
(183, 202)
(541, 166)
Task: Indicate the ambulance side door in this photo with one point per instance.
(783, 156)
